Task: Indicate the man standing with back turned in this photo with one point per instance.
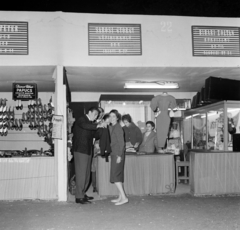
(84, 130)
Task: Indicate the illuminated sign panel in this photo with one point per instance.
(114, 39)
(216, 41)
(13, 38)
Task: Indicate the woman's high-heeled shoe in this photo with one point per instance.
(34, 103)
(12, 115)
(1, 106)
(20, 105)
(31, 125)
(35, 126)
(50, 104)
(20, 125)
(1, 117)
(16, 124)
(16, 105)
(29, 104)
(4, 104)
(116, 200)
(122, 202)
(39, 103)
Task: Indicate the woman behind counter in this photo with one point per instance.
(117, 157)
(149, 144)
(132, 134)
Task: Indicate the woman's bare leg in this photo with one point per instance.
(122, 197)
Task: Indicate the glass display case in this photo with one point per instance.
(212, 126)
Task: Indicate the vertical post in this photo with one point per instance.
(191, 132)
(225, 128)
(207, 130)
(60, 150)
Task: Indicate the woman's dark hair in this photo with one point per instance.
(93, 109)
(127, 117)
(151, 123)
(106, 116)
(118, 115)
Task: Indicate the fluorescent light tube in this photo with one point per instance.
(151, 85)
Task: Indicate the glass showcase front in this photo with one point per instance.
(213, 126)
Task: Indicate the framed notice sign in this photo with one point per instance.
(24, 91)
(216, 41)
(13, 38)
(57, 129)
(114, 39)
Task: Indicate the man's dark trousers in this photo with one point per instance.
(83, 170)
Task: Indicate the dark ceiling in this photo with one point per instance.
(204, 8)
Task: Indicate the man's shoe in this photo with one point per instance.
(82, 201)
(88, 197)
(95, 189)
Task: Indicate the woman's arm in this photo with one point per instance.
(120, 139)
(155, 142)
(139, 136)
(154, 104)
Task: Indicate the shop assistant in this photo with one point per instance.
(132, 134)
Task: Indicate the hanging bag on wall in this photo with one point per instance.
(72, 185)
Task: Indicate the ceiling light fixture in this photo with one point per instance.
(151, 85)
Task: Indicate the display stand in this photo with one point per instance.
(214, 167)
(27, 162)
(212, 126)
(214, 172)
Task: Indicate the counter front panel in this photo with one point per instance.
(143, 174)
(215, 173)
(28, 178)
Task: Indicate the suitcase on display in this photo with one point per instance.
(193, 104)
(236, 142)
(221, 89)
(198, 100)
(203, 100)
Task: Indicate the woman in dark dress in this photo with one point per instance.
(117, 157)
(132, 134)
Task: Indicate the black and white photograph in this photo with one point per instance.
(120, 115)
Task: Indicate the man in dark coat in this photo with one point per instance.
(84, 130)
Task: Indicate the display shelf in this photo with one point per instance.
(25, 138)
(212, 126)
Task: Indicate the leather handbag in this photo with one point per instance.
(72, 185)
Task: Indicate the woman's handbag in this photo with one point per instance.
(72, 185)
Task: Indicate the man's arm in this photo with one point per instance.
(84, 124)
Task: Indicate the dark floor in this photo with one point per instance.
(166, 212)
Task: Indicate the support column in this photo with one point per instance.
(60, 150)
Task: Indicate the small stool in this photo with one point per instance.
(186, 176)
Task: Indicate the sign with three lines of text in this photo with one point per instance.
(218, 41)
(24, 91)
(114, 39)
(13, 38)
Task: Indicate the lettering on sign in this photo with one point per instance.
(24, 92)
(13, 38)
(114, 39)
(216, 41)
(57, 129)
